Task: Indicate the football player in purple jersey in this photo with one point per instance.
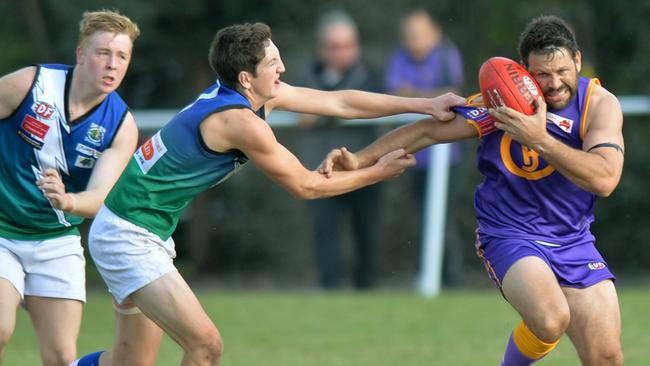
(542, 174)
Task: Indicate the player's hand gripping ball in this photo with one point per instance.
(504, 82)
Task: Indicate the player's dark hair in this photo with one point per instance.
(238, 48)
(545, 35)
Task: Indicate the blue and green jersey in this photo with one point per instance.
(39, 135)
(175, 165)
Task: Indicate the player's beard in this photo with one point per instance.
(571, 87)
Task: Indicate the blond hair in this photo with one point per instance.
(106, 21)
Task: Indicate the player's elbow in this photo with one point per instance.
(308, 195)
(315, 188)
(430, 132)
(307, 185)
(304, 191)
(303, 194)
(604, 192)
(604, 187)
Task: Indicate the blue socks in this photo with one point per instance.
(88, 360)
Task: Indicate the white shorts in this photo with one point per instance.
(46, 268)
(127, 256)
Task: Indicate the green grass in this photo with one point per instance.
(375, 328)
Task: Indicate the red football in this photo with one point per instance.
(505, 82)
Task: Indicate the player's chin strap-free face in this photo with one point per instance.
(608, 144)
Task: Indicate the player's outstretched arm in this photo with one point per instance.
(597, 170)
(105, 173)
(350, 104)
(255, 138)
(412, 137)
(13, 88)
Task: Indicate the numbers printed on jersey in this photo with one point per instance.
(152, 150)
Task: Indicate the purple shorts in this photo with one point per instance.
(576, 265)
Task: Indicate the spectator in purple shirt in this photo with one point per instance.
(429, 64)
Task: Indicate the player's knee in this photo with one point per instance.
(58, 357)
(132, 352)
(5, 336)
(217, 349)
(550, 327)
(610, 355)
(209, 347)
(3, 343)
(214, 345)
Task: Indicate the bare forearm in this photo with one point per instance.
(412, 138)
(87, 203)
(358, 104)
(318, 186)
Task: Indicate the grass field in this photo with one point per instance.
(375, 328)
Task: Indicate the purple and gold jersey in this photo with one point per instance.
(524, 197)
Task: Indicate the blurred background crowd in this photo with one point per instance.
(244, 236)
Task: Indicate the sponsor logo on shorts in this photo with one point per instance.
(594, 266)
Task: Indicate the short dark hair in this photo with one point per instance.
(238, 48)
(546, 34)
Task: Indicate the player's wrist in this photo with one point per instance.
(363, 161)
(375, 173)
(70, 203)
(545, 145)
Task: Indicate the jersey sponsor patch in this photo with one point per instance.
(44, 110)
(478, 116)
(33, 131)
(84, 162)
(563, 123)
(152, 150)
(88, 151)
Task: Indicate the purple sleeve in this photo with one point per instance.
(477, 116)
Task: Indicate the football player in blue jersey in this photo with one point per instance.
(65, 137)
(130, 239)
